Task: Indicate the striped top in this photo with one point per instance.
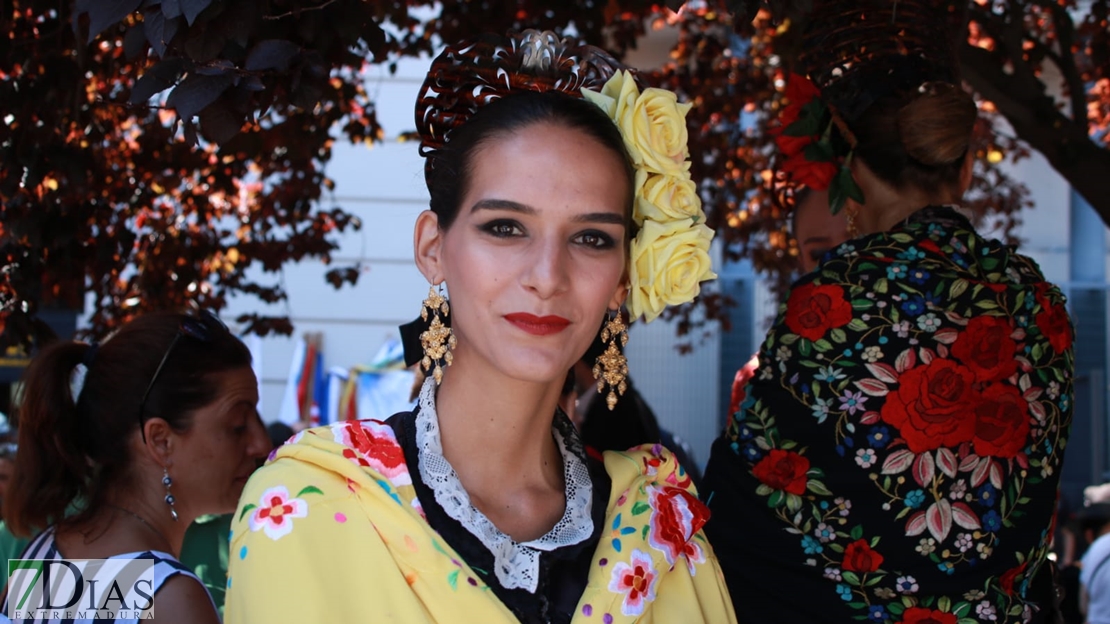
(45, 547)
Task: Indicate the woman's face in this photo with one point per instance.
(214, 458)
(537, 253)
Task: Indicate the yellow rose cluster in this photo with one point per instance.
(670, 254)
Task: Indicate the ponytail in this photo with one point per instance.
(51, 467)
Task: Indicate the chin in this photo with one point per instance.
(535, 367)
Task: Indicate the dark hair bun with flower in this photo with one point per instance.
(468, 75)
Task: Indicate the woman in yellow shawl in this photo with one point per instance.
(558, 191)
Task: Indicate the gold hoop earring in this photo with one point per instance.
(437, 340)
(612, 367)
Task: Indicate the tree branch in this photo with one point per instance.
(1065, 60)
(1037, 121)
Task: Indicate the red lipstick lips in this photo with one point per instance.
(538, 325)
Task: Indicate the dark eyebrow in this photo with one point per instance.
(512, 206)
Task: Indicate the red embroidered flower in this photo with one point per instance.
(1001, 421)
(372, 443)
(783, 470)
(987, 348)
(930, 407)
(1007, 579)
(812, 310)
(676, 515)
(918, 615)
(800, 91)
(636, 580)
(1054, 324)
(860, 557)
(816, 174)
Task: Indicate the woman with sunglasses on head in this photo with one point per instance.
(142, 434)
(481, 505)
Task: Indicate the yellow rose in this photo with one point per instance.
(666, 198)
(617, 97)
(656, 127)
(669, 262)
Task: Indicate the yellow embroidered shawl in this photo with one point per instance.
(330, 530)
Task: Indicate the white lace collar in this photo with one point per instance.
(515, 563)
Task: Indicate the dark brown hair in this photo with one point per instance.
(449, 178)
(917, 139)
(76, 449)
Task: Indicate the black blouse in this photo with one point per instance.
(563, 570)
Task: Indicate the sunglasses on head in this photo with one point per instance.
(202, 328)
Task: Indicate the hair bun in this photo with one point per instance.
(935, 126)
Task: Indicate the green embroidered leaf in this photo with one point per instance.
(944, 604)
(763, 490)
(858, 605)
(644, 532)
(818, 488)
(861, 304)
(895, 609)
(874, 581)
(902, 237)
(1019, 302)
(1038, 351)
(857, 532)
(309, 489)
(823, 345)
(640, 507)
(789, 339)
(793, 502)
(776, 499)
(882, 285)
(836, 548)
(248, 507)
(986, 305)
(962, 609)
(958, 288)
(857, 325)
(453, 579)
(805, 347)
(964, 620)
(838, 335)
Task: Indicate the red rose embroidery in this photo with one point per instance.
(917, 615)
(1001, 421)
(1054, 324)
(813, 310)
(987, 348)
(676, 516)
(783, 470)
(930, 407)
(372, 443)
(1008, 578)
(860, 557)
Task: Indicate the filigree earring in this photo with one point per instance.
(850, 226)
(611, 367)
(437, 340)
(170, 500)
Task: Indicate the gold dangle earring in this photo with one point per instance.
(437, 340)
(850, 212)
(612, 367)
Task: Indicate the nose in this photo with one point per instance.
(258, 446)
(547, 271)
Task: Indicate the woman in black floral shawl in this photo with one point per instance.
(898, 455)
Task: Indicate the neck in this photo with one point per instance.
(495, 430)
(886, 206)
(151, 515)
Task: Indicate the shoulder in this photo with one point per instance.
(182, 598)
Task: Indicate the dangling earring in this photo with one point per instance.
(437, 340)
(850, 212)
(612, 367)
(170, 500)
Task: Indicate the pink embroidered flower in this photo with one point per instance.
(676, 515)
(276, 511)
(371, 443)
(636, 581)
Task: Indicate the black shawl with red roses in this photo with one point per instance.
(898, 454)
